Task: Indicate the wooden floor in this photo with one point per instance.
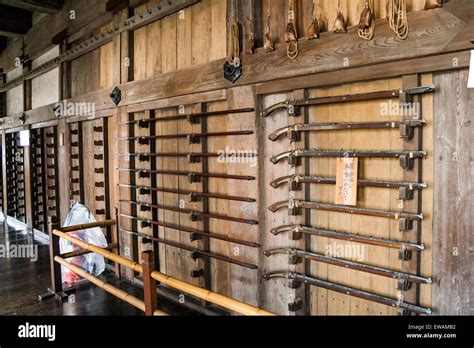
(21, 281)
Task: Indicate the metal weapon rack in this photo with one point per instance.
(298, 210)
(165, 201)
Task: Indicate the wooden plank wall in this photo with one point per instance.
(198, 35)
(324, 302)
(324, 10)
(180, 40)
(452, 237)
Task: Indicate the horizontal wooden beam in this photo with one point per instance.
(44, 6)
(204, 97)
(135, 94)
(321, 62)
(14, 20)
(429, 64)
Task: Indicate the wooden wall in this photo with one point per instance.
(197, 36)
(325, 12)
(452, 230)
(177, 41)
(324, 302)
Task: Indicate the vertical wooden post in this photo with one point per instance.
(64, 75)
(114, 178)
(28, 178)
(64, 167)
(3, 104)
(413, 235)
(204, 243)
(298, 304)
(27, 159)
(154, 194)
(149, 284)
(56, 290)
(56, 279)
(4, 175)
(3, 95)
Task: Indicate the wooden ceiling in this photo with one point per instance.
(16, 16)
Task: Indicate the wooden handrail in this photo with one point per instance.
(207, 295)
(134, 301)
(101, 251)
(87, 226)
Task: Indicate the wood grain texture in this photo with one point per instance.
(432, 32)
(452, 239)
(275, 293)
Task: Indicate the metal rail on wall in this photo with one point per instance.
(146, 268)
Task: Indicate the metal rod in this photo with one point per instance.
(191, 249)
(189, 135)
(348, 291)
(193, 230)
(293, 106)
(344, 209)
(147, 173)
(352, 237)
(350, 264)
(189, 115)
(87, 226)
(192, 213)
(145, 156)
(168, 154)
(188, 192)
(318, 127)
(307, 179)
(343, 153)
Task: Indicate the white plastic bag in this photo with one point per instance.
(93, 263)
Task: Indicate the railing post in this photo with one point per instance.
(56, 278)
(149, 284)
(56, 289)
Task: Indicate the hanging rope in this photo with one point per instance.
(367, 21)
(291, 35)
(397, 18)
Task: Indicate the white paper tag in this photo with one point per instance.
(470, 83)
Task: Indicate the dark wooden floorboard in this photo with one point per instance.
(21, 281)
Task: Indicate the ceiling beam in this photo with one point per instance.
(116, 5)
(14, 21)
(44, 6)
(3, 43)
